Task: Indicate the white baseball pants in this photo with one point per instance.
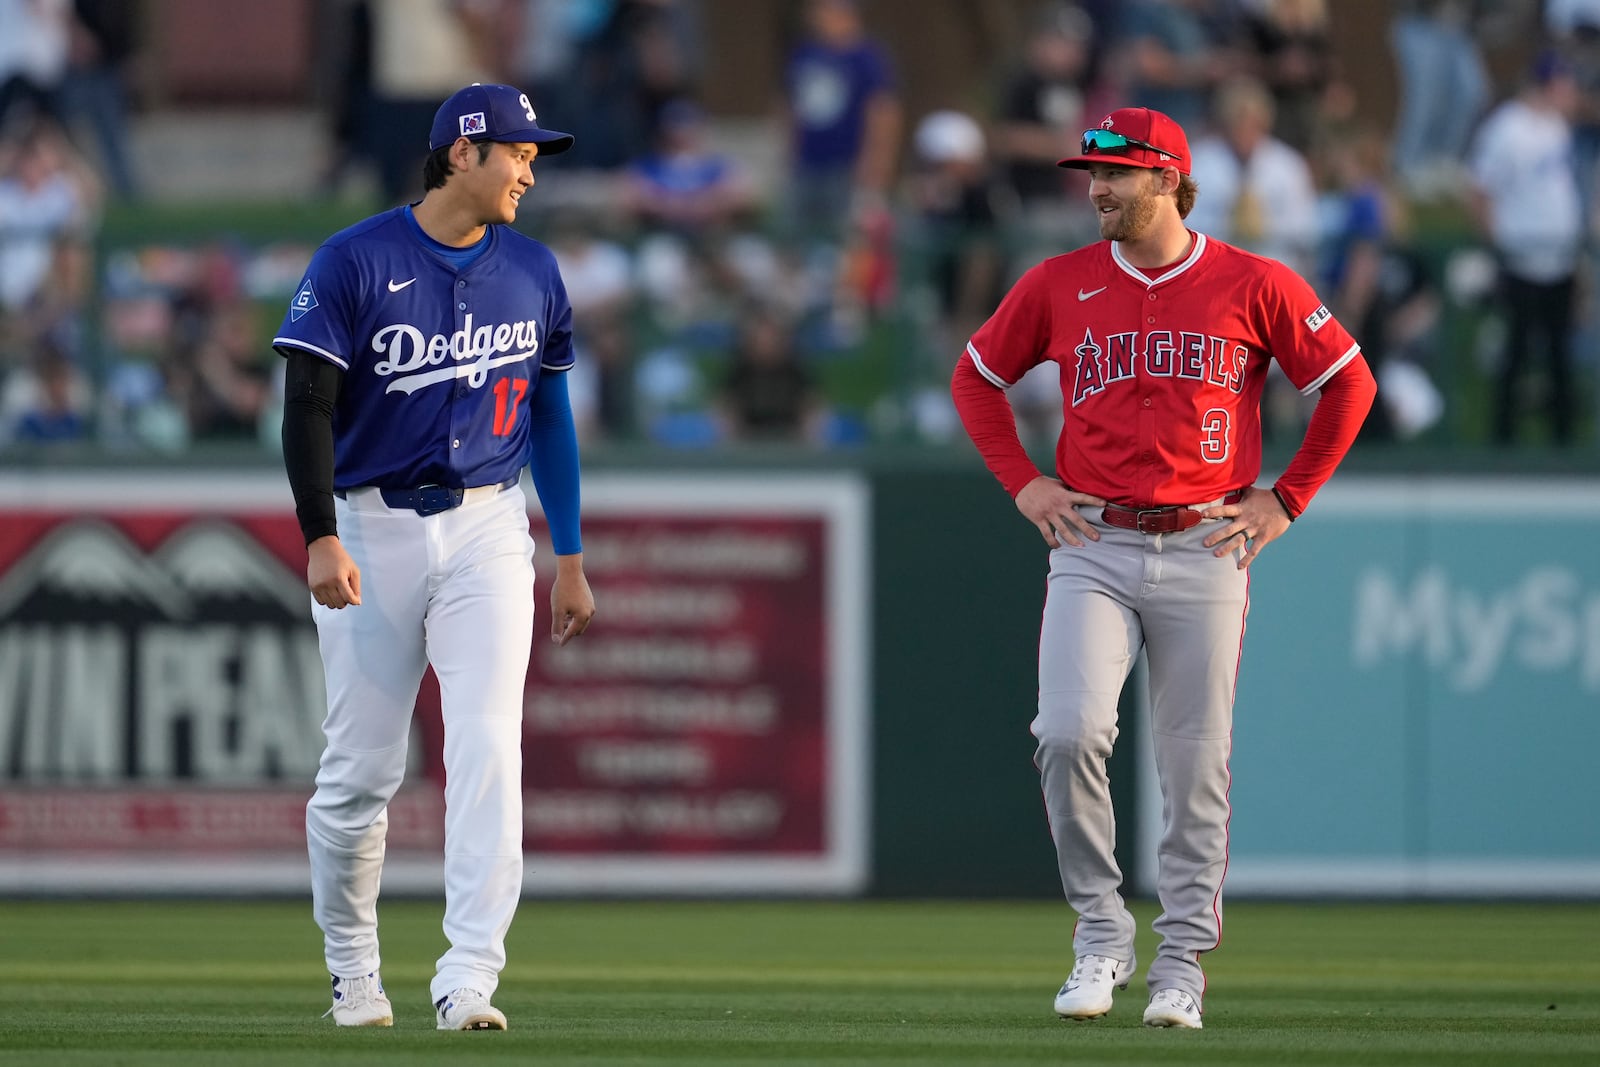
(455, 590)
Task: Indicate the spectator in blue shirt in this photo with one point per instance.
(52, 400)
(685, 185)
(843, 118)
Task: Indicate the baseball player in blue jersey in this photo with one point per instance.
(426, 354)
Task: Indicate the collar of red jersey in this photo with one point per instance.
(1144, 279)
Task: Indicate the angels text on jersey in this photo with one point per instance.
(1198, 357)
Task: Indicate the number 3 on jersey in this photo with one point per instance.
(508, 393)
(1214, 426)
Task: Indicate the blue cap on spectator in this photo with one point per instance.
(493, 113)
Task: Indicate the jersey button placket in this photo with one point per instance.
(461, 414)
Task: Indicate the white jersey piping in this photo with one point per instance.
(295, 342)
(977, 361)
(1148, 282)
(1338, 365)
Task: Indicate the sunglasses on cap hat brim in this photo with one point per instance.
(1101, 142)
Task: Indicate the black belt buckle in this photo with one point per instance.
(432, 499)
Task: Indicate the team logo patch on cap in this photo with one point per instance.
(1318, 318)
(473, 123)
(303, 301)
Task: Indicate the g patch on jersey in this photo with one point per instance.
(303, 301)
(1318, 318)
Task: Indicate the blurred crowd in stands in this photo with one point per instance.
(823, 298)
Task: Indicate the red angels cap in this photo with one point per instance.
(1133, 137)
(493, 113)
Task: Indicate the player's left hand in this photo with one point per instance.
(1257, 518)
(571, 602)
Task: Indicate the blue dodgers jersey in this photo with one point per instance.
(439, 364)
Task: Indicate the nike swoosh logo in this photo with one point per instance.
(1081, 294)
(395, 287)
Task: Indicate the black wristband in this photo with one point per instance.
(1284, 504)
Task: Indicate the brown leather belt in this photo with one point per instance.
(1159, 520)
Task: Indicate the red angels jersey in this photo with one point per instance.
(1161, 378)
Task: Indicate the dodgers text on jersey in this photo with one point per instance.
(409, 352)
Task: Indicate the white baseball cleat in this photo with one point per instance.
(360, 1002)
(468, 1009)
(1172, 1007)
(1087, 991)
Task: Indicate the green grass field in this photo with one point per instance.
(241, 984)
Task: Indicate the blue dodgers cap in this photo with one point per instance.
(493, 113)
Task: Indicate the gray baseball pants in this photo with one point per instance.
(1186, 608)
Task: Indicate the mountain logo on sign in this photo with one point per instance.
(195, 661)
(80, 570)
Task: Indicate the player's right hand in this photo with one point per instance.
(333, 576)
(1053, 509)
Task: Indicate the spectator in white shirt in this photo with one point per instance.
(1526, 201)
(34, 37)
(45, 192)
(1259, 194)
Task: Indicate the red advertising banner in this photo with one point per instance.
(161, 692)
(709, 731)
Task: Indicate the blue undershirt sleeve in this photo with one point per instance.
(553, 461)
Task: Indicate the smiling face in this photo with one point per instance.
(1127, 200)
(493, 188)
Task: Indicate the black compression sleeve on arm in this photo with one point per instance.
(311, 386)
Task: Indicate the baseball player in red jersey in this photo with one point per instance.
(1163, 338)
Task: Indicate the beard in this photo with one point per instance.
(1135, 219)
